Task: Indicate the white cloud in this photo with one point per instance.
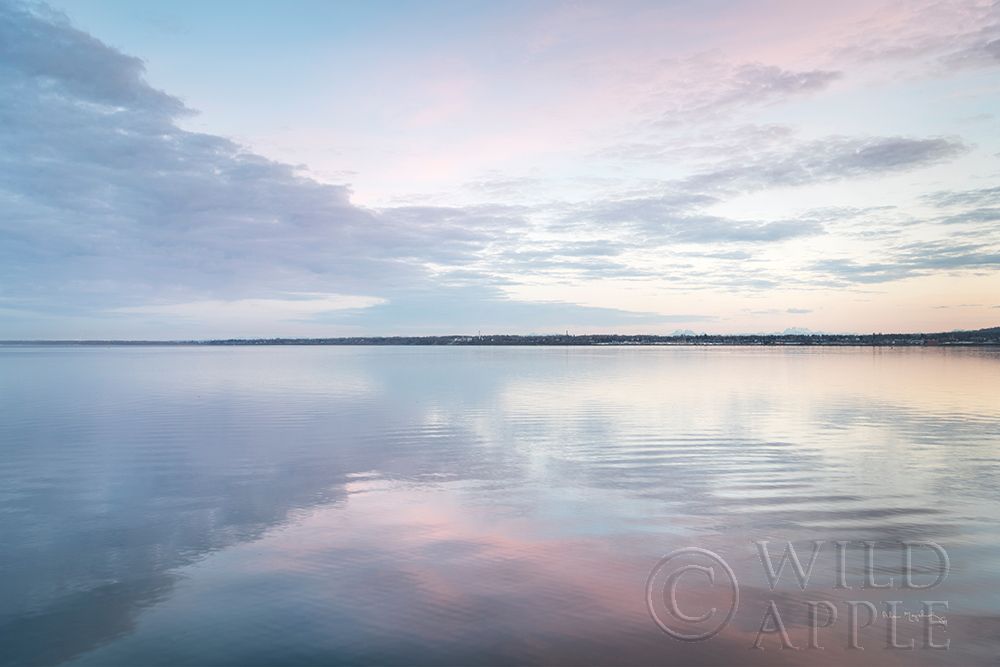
(254, 311)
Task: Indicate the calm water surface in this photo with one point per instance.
(330, 505)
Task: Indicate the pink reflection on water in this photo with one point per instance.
(453, 576)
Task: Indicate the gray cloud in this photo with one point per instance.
(981, 50)
(726, 88)
(939, 36)
(829, 159)
(912, 260)
(974, 216)
(41, 44)
(978, 197)
(857, 272)
(674, 216)
(107, 202)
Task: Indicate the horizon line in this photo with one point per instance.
(466, 338)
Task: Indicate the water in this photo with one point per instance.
(330, 505)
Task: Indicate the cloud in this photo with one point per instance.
(675, 216)
(912, 260)
(706, 89)
(109, 204)
(472, 308)
(506, 187)
(829, 159)
(974, 216)
(240, 312)
(40, 44)
(757, 158)
(738, 255)
(936, 36)
(699, 144)
(977, 197)
(982, 49)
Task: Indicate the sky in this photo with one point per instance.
(312, 168)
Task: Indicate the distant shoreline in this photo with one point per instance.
(984, 337)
